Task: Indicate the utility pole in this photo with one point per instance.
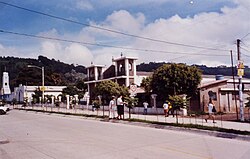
(240, 74)
(235, 97)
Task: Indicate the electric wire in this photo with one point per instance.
(110, 30)
(103, 45)
(245, 55)
(245, 36)
(245, 49)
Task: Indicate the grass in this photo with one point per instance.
(187, 126)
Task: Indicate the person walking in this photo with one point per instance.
(170, 109)
(120, 108)
(112, 108)
(165, 107)
(210, 111)
(145, 105)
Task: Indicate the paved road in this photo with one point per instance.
(30, 135)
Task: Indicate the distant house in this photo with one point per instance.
(223, 91)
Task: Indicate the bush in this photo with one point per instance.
(96, 104)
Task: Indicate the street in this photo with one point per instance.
(25, 135)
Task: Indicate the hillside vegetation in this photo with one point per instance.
(59, 73)
(219, 70)
(56, 72)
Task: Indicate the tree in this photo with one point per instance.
(130, 103)
(38, 93)
(107, 89)
(70, 90)
(57, 79)
(175, 79)
(80, 84)
(81, 87)
(146, 84)
(177, 103)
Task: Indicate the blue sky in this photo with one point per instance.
(206, 23)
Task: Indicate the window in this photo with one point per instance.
(120, 68)
(212, 95)
(129, 67)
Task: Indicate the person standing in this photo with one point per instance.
(112, 108)
(120, 108)
(210, 111)
(165, 107)
(145, 105)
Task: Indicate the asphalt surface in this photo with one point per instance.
(25, 135)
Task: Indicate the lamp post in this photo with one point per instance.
(41, 68)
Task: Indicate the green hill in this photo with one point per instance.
(56, 72)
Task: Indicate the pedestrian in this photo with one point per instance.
(170, 109)
(145, 105)
(120, 108)
(112, 108)
(165, 107)
(210, 111)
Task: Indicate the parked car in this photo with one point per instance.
(4, 109)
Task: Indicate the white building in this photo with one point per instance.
(122, 71)
(25, 92)
(5, 90)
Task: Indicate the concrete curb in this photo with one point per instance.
(191, 130)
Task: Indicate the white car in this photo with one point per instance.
(4, 109)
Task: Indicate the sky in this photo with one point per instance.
(182, 31)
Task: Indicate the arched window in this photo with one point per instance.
(120, 68)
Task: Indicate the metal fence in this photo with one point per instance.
(153, 115)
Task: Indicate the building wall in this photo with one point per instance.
(213, 93)
(22, 92)
(225, 100)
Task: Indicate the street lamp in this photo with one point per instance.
(41, 68)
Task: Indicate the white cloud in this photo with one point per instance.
(84, 5)
(210, 29)
(78, 54)
(215, 30)
(7, 51)
(72, 53)
(122, 20)
(66, 52)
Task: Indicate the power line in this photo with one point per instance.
(245, 44)
(245, 49)
(110, 30)
(245, 36)
(245, 55)
(103, 45)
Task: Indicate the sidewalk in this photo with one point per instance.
(157, 118)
